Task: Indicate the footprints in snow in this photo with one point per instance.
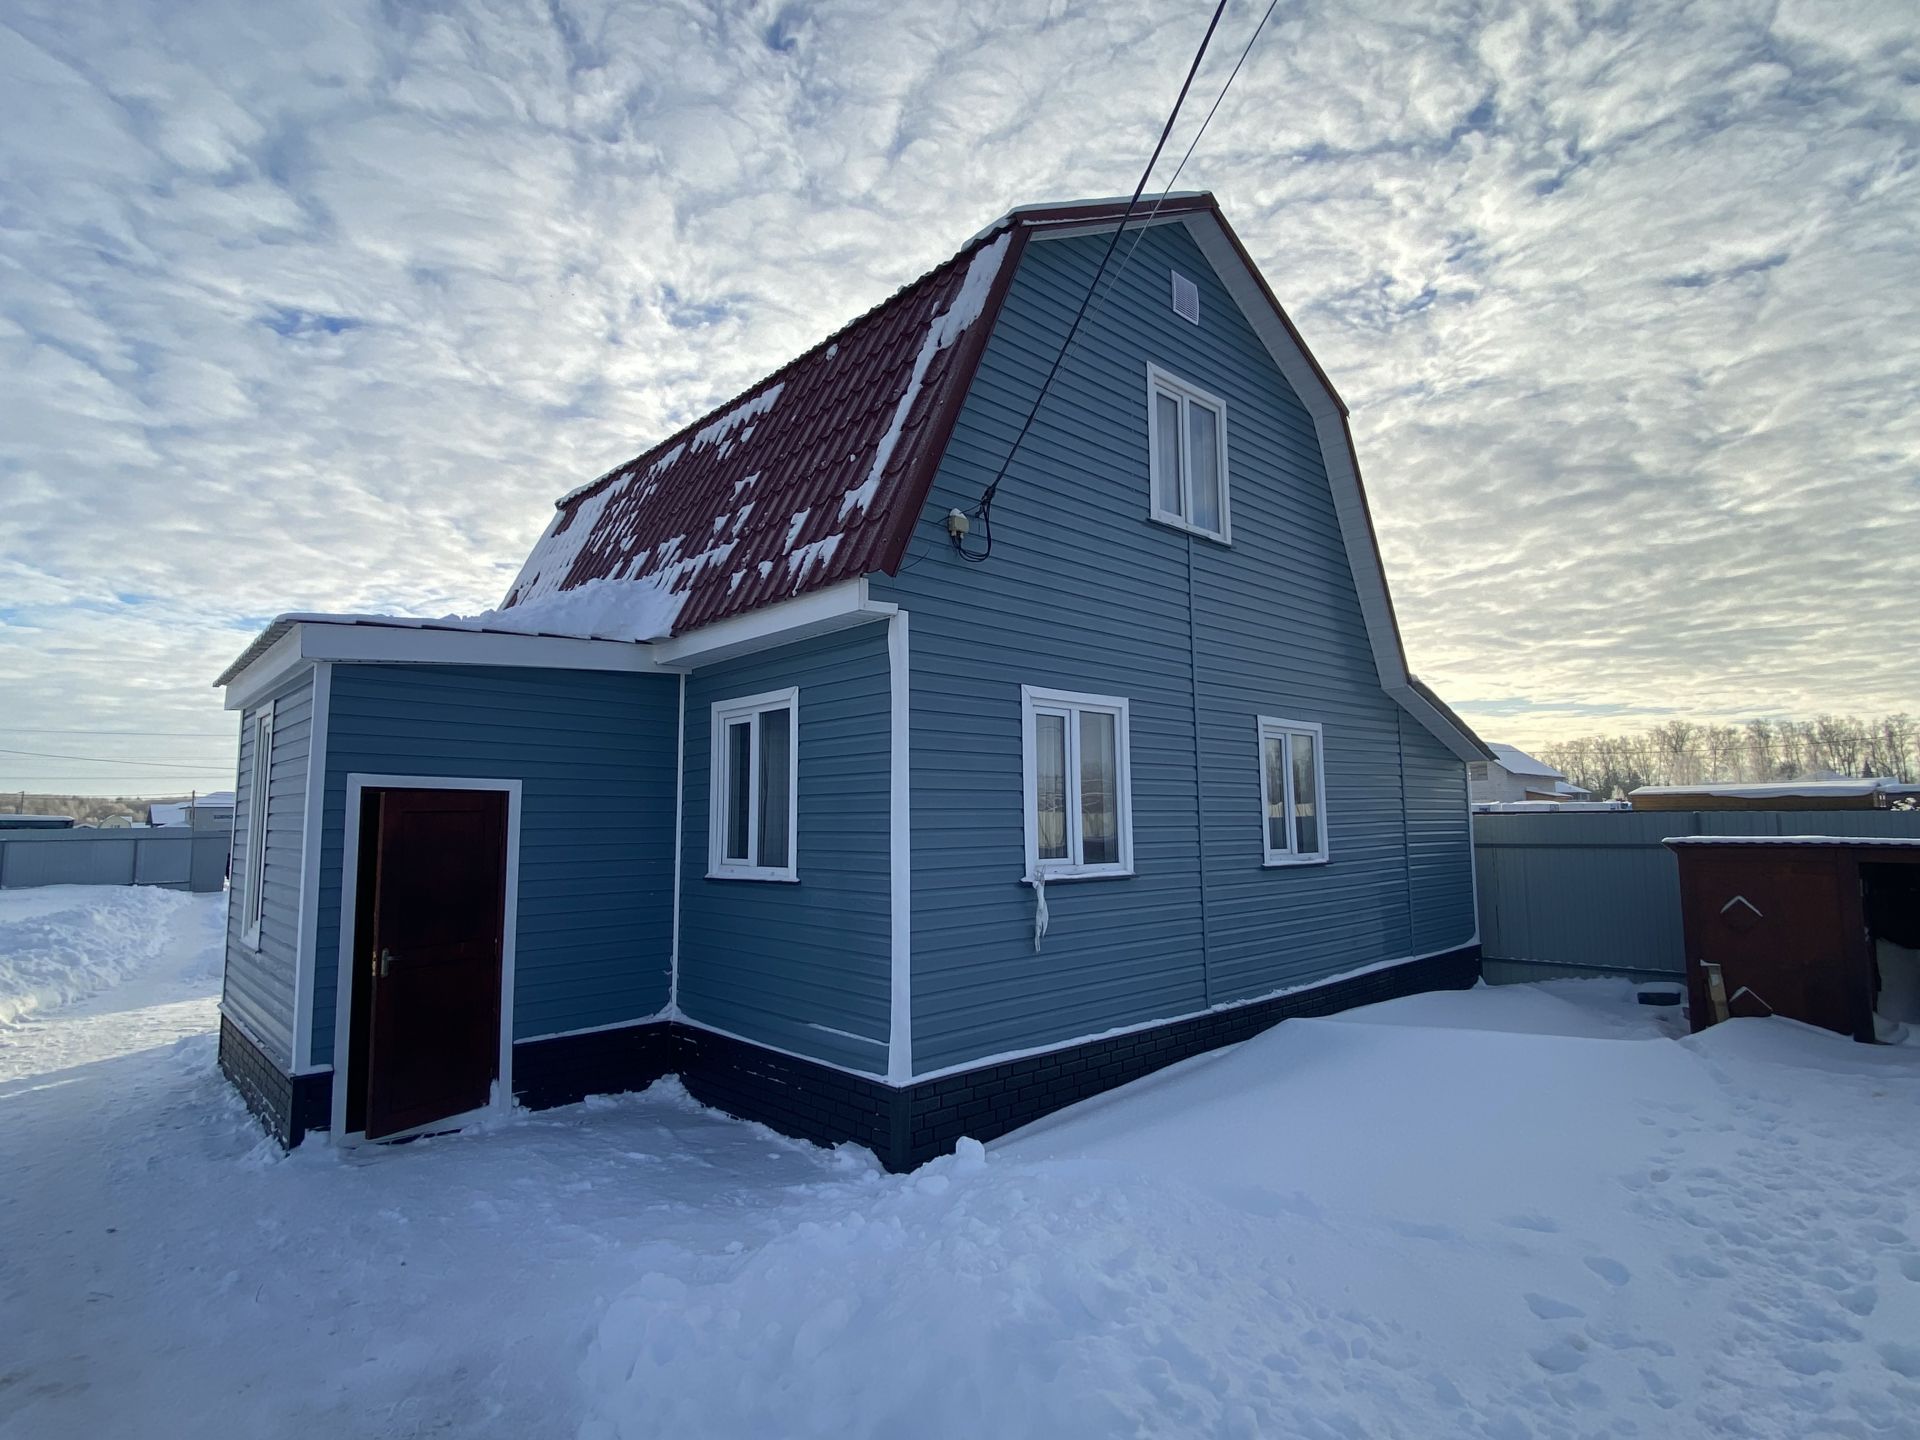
(1611, 1271)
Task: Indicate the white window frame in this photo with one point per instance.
(259, 797)
(1160, 382)
(1072, 703)
(1268, 727)
(719, 757)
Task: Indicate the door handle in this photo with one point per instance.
(386, 963)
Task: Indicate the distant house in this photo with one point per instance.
(1513, 775)
(212, 811)
(1868, 794)
(916, 811)
(36, 822)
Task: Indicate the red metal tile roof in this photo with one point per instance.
(813, 476)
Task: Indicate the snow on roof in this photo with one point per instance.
(1865, 842)
(1117, 203)
(1547, 807)
(606, 610)
(837, 447)
(1516, 761)
(1813, 789)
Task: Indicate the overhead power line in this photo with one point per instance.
(143, 734)
(983, 508)
(109, 760)
(1140, 230)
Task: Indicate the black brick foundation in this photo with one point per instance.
(990, 1101)
(904, 1127)
(287, 1105)
(568, 1068)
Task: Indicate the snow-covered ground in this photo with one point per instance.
(1529, 1211)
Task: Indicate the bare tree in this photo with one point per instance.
(1724, 753)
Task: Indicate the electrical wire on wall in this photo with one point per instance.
(960, 523)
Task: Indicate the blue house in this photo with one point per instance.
(878, 806)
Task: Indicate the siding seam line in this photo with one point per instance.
(1406, 836)
(1199, 784)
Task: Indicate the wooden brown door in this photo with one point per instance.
(433, 954)
(1785, 931)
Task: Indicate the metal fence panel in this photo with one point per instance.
(1599, 891)
(176, 859)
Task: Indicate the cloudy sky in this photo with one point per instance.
(320, 306)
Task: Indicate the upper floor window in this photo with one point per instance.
(1292, 789)
(259, 796)
(1079, 800)
(1187, 445)
(756, 790)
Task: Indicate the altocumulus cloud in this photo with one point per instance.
(321, 306)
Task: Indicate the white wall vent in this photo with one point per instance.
(1186, 298)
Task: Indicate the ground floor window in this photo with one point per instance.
(756, 791)
(1079, 803)
(1292, 787)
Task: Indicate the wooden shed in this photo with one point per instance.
(1822, 929)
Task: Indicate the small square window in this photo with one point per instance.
(756, 789)
(1293, 788)
(1079, 803)
(1187, 456)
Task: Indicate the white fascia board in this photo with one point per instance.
(1143, 219)
(837, 607)
(382, 644)
(311, 641)
(277, 664)
(1343, 475)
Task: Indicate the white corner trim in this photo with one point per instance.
(822, 612)
(900, 851)
(357, 783)
(723, 713)
(310, 839)
(679, 844)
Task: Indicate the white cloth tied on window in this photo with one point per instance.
(1039, 907)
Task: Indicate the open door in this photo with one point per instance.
(428, 951)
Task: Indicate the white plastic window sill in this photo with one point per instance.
(1169, 522)
(1063, 877)
(1288, 862)
(774, 877)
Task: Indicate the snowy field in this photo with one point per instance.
(1531, 1211)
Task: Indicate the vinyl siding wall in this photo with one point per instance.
(805, 967)
(258, 990)
(595, 754)
(1084, 593)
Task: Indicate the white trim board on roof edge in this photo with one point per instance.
(307, 641)
(1343, 474)
(822, 612)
